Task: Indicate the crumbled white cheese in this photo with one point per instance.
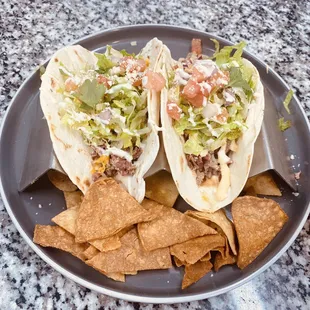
(133, 43)
(191, 118)
(292, 157)
(40, 206)
(295, 194)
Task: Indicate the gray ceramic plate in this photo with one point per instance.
(149, 286)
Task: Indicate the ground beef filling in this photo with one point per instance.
(120, 165)
(207, 166)
(204, 167)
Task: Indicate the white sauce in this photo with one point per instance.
(191, 118)
(115, 151)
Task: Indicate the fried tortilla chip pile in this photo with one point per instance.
(111, 232)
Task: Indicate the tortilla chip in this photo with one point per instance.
(73, 199)
(219, 218)
(193, 250)
(155, 210)
(161, 188)
(263, 184)
(207, 257)
(131, 257)
(172, 228)
(257, 222)
(107, 208)
(116, 276)
(67, 220)
(195, 272)
(250, 191)
(90, 252)
(56, 237)
(221, 250)
(178, 262)
(61, 181)
(219, 261)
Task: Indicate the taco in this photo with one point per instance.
(102, 112)
(211, 112)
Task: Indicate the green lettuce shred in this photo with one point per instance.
(287, 100)
(104, 63)
(283, 125)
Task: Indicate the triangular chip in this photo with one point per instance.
(250, 191)
(219, 218)
(193, 250)
(178, 262)
(67, 220)
(257, 222)
(155, 210)
(173, 227)
(131, 257)
(56, 237)
(207, 257)
(107, 208)
(195, 272)
(61, 181)
(160, 187)
(90, 252)
(219, 261)
(263, 184)
(73, 199)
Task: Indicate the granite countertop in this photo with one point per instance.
(31, 31)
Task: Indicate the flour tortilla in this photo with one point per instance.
(73, 154)
(203, 198)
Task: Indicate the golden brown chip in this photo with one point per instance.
(193, 250)
(107, 208)
(67, 220)
(173, 227)
(250, 191)
(73, 199)
(131, 257)
(263, 184)
(207, 257)
(56, 237)
(90, 252)
(155, 210)
(219, 261)
(195, 272)
(219, 218)
(160, 187)
(116, 276)
(178, 262)
(257, 222)
(61, 181)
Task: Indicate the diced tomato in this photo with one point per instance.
(154, 81)
(173, 110)
(213, 80)
(128, 62)
(223, 116)
(124, 61)
(70, 85)
(101, 79)
(193, 93)
(137, 83)
(197, 46)
(197, 75)
(140, 65)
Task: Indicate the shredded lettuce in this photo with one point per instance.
(104, 63)
(287, 100)
(125, 53)
(90, 92)
(283, 125)
(193, 145)
(236, 79)
(226, 54)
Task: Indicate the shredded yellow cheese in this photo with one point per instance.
(100, 164)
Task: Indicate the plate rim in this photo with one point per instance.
(127, 296)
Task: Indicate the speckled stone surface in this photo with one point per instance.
(30, 31)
